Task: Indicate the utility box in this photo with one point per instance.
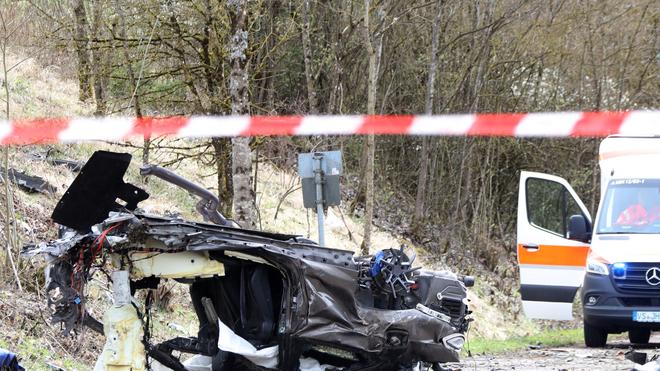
(320, 172)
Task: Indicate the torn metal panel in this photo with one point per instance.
(74, 166)
(55, 248)
(28, 183)
(274, 291)
(64, 300)
(94, 192)
(336, 315)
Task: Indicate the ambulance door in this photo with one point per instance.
(551, 265)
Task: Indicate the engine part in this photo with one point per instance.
(392, 271)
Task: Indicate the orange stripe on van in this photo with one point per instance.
(554, 255)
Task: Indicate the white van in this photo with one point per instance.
(620, 249)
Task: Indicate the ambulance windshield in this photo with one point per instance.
(631, 206)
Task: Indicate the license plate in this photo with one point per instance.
(639, 316)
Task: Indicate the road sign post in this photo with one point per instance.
(320, 173)
(318, 179)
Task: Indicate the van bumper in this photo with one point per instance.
(613, 310)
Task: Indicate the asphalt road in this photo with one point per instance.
(561, 358)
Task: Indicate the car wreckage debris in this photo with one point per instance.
(640, 360)
(28, 183)
(73, 166)
(263, 300)
(9, 361)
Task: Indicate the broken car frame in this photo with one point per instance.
(286, 299)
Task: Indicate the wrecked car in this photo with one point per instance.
(263, 300)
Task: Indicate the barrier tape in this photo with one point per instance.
(560, 124)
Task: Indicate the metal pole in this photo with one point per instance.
(318, 179)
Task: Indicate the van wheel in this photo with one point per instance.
(639, 335)
(594, 337)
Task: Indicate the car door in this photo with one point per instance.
(551, 265)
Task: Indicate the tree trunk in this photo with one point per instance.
(209, 70)
(359, 194)
(338, 48)
(369, 194)
(81, 41)
(11, 234)
(134, 83)
(99, 73)
(244, 203)
(244, 197)
(484, 55)
(420, 198)
(307, 56)
(223, 161)
(370, 142)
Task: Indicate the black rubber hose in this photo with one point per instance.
(208, 206)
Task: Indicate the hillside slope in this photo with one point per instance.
(24, 322)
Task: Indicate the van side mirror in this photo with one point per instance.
(578, 229)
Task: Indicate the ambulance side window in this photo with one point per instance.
(547, 205)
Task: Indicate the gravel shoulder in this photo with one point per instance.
(560, 358)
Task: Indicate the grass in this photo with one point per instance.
(34, 355)
(548, 338)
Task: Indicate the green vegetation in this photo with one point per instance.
(35, 355)
(506, 56)
(549, 338)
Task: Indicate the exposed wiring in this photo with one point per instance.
(100, 239)
(80, 270)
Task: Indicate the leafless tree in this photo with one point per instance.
(9, 25)
(244, 205)
(429, 100)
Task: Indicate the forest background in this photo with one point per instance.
(454, 197)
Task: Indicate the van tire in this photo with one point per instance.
(594, 337)
(639, 335)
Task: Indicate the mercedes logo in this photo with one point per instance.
(653, 276)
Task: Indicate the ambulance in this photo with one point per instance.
(612, 259)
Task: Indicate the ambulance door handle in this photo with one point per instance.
(531, 247)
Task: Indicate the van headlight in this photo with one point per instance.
(597, 266)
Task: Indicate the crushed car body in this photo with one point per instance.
(263, 300)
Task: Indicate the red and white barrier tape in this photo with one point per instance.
(560, 124)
